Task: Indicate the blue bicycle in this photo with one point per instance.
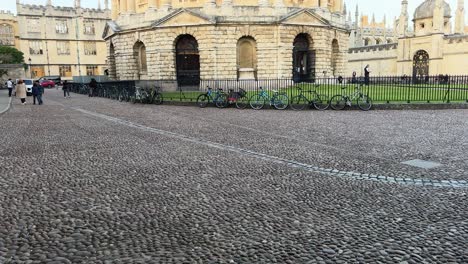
(279, 100)
(219, 98)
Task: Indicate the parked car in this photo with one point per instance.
(29, 85)
(55, 78)
(47, 83)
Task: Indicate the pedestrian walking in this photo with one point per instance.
(66, 89)
(41, 93)
(10, 87)
(367, 72)
(92, 87)
(35, 92)
(21, 91)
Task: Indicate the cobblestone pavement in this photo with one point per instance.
(90, 180)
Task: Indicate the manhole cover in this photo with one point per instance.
(424, 164)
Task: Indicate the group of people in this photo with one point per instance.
(21, 91)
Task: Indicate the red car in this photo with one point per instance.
(47, 83)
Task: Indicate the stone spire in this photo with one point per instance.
(49, 2)
(77, 3)
(99, 5)
(356, 22)
(106, 4)
(460, 18)
(350, 18)
(403, 20)
(345, 12)
(438, 17)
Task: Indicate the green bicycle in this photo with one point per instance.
(309, 98)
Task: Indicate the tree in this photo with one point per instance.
(10, 55)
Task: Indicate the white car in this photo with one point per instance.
(29, 85)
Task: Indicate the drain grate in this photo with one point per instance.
(424, 164)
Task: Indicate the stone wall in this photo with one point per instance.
(382, 60)
(14, 71)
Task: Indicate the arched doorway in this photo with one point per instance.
(246, 58)
(303, 59)
(420, 66)
(187, 61)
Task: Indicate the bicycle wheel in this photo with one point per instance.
(203, 100)
(157, 98)
(221, 101)
(364, 102)
(321, 102)
(242, 102)
(299, 103)
(338, 102)
(257, 102)
(281, 101)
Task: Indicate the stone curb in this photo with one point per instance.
(7, 107)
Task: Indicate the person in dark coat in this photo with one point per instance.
(40, 94)
(353, 78)
(36, 92)
(66, 89)
(92, 87)
(367, 72)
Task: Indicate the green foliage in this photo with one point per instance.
(10, 55)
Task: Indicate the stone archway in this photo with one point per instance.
(420, 66)
(303, 59)
(187, 61)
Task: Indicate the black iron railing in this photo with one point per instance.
(388, 89)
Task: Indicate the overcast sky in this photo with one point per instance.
(390, 7)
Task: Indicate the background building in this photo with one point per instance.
(64, 41)
(230, 39)
(435, 47)
(9, 35)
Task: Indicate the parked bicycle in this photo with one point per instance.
(155, 96)
(279, 100)
(219, 98)
(339, 102)
(140, 96)
(310, 98)
(238, 98)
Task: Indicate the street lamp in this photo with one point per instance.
(30, 69)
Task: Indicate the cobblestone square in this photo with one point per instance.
(92, 180)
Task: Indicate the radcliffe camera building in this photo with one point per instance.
(64, 41)
(230, 39)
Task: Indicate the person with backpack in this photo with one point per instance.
(35, 92)
(66, 89)
(92, 87)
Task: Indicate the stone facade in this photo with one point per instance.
(9, 32)
(218, 27)
(63, 41)
(13, 71)
(432, 48)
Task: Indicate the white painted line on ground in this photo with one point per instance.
(291, 163)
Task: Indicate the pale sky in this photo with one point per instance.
(379, 7)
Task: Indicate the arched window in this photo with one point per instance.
(246, 58)
(389, 41)
(7, 36)
(112, 62)
(139, 50)
(378, 41)
(366, 42)
(335, 56)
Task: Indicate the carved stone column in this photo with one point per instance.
(131, 6)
